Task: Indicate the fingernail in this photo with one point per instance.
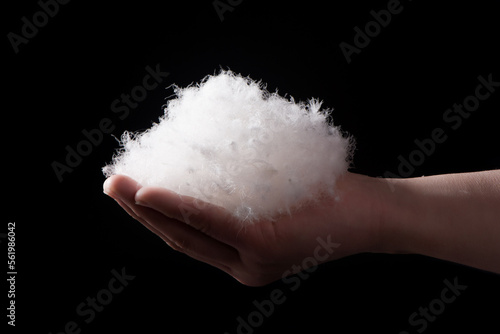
(142, 203)
(139, 200)
(106, 187)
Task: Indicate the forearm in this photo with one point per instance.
(455, 217)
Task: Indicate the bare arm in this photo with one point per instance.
(454, 217)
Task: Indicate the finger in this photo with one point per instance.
(209, 219)
(188, 240)
(177, 235)
(120, 186)
(122, 189)
(142, 221)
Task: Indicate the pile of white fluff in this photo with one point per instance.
(230, 142)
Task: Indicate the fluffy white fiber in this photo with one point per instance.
(230, 142)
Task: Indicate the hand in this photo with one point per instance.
(263, 251)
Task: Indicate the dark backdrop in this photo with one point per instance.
(395, 90)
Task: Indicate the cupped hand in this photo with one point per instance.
(263, 251)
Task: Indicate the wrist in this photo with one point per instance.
(369, 206)
(413, 222)
(452, 217)
(398, 220)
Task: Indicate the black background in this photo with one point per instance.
(70, 235)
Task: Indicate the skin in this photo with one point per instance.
(455, 217)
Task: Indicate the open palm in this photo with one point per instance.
(263, 251)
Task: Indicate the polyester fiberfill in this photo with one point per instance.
(230, 142)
